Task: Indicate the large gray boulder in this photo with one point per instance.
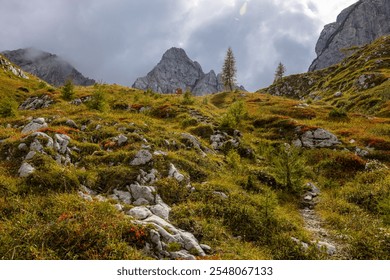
(318, 138)
(357, 25)
(34, 125)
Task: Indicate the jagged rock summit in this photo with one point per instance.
(48, 67)
(176, 70)
(357, 25)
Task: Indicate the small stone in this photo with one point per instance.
(84, 196)
(206, 248)
(140, 213)
(141, 158)
(119, 207)
(100, 198)
(173, 172)
(221, 195)
(361, 152)
(160, 153)
(25, 170)
(71, 123)
(121, 139)
(30, 155)
(22, 147)
(182, 255)
(330, 249)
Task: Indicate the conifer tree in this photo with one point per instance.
(279, 73)
(229, 70)
(68, 90)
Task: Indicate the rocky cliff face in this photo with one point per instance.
(8, 67)
(176, 70)
(357, 25)
(47, 66)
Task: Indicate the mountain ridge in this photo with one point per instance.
(47, 66)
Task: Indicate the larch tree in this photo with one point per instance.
(229, 70)
(279, 73)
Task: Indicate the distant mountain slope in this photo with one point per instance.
(360, 82)
(47, 66)
(176, 70)
(357, 25)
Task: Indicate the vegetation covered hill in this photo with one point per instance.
(119, 173)
(360, 83)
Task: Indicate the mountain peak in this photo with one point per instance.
(47, 66)
(175, 53)
(176, 70)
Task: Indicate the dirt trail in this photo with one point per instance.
(314, 225)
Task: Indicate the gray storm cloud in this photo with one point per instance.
(117, 41)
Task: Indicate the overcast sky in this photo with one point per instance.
(117, 41)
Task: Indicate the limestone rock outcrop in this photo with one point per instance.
(8, 67)
(318, 138)
(357, 25)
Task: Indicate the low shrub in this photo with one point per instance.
(234, 115)
(51, 176)
(171, 191)
(338, 114)
(203, 130)
(8, 108)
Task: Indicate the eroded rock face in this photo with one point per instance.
(7, 66)
(357, 25)
(177, 71)
(47, 66)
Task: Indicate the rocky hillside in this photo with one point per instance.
(359, 83)
(119, 173)
(176, 70)
(357, 25)
(49, 67)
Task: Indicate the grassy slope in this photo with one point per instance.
(44, 218)
(373, 59)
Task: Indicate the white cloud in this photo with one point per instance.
(118, 41)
